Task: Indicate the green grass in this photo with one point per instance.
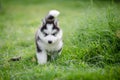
(91, 40)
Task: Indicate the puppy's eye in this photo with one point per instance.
(45, 34)
(54, 34)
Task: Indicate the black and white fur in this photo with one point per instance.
(48, 38)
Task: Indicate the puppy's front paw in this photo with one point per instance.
(42, 62)
(42, 58)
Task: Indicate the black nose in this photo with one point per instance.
(49, 42)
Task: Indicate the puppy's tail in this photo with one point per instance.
(52, 15)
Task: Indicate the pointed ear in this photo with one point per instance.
(43, 22)
(56, 22)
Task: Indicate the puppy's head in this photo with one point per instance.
(50, 33)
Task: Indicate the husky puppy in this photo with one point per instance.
(48, 38)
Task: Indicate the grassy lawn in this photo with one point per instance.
(91, 40)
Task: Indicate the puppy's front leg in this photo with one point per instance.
(41, 57)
